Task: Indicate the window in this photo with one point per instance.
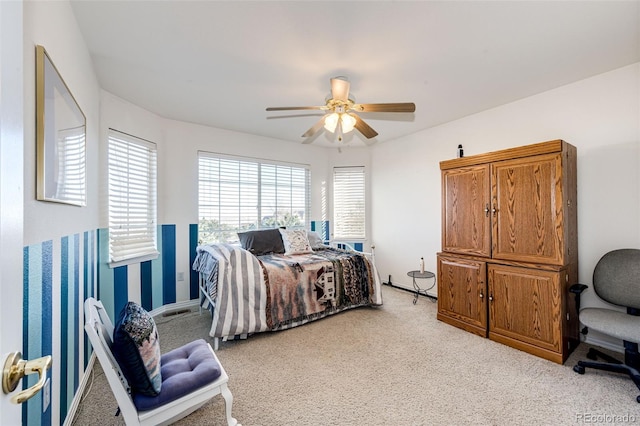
(132, 198)
(348, 203)
(238, 194)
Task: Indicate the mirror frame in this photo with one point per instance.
(60, 137)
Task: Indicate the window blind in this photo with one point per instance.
(238, 194)
(132, 197)
(348, 203)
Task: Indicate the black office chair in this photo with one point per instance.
(616, 279)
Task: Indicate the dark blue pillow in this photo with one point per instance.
(136, 347)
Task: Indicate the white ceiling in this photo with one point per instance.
(221, 63)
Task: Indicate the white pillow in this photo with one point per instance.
(295, 241)
(315, 240)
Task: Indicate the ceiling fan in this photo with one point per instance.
(341, 110)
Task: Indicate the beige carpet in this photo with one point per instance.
(393, 365)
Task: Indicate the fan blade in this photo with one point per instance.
(280, 117)
(314, 129)
(340, 88)
(393, 107)
(295, 108)
(364, 128)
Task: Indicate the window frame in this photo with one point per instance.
(256, 209)
(138, 209)
(342, 204)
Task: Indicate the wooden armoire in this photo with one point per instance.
(510, 247)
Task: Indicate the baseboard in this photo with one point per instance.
(77, 398)
(410, 290)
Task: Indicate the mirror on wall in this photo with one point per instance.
(60, 137)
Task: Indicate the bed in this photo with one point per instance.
(288, 281)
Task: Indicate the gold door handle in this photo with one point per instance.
(15, 368)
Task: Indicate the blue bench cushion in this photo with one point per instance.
(184, 370)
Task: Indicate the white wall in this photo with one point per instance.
(42, 25)
(599, 115)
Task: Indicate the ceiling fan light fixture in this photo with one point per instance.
(348, 122)
(331, 122)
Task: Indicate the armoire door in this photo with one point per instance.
(527, 209)
(525, 305)
(462, 293)
(466, 227)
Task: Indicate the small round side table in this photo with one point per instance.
(420, 291)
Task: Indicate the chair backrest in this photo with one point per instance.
(99, 328)
(616, 278)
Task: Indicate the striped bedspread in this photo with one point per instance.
(274, 292)
(236, 283)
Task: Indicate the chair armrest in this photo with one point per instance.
(577, 289)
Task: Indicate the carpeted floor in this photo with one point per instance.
(392, 365)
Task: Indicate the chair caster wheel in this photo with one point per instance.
(580, 370)
(638, 399)
(592, 356)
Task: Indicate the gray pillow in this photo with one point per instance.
(315, 241)
(262, 241)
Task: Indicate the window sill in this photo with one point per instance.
(133, 260)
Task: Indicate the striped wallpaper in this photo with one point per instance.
(60, 274)
(37, 323)
(69, 320)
